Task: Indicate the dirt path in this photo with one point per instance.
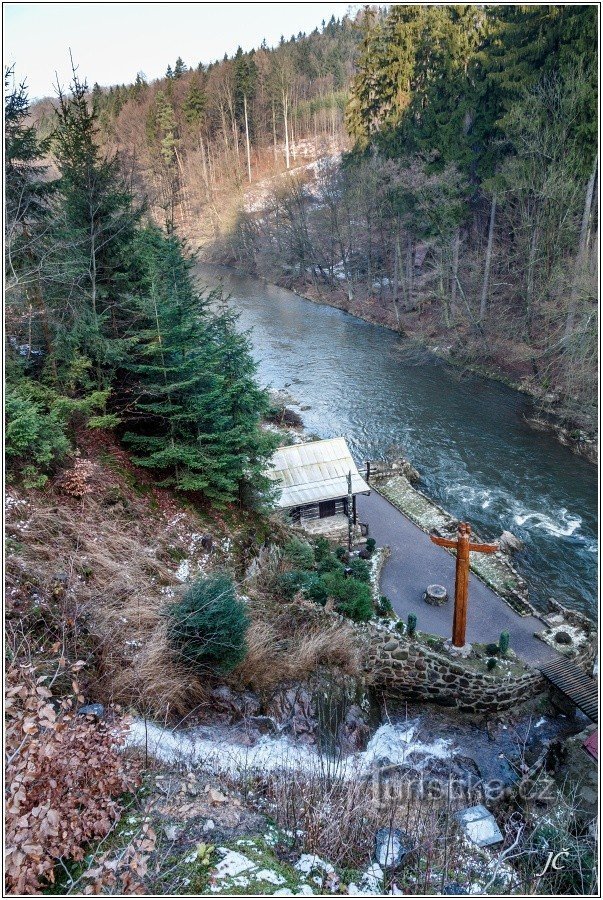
(416, 562)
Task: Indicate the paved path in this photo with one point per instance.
(416, 562)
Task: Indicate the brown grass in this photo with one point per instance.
(117, 565)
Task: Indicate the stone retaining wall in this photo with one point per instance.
(404, 669)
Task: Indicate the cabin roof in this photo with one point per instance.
(308, 473)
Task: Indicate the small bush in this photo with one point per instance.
(209, 625)
(492, 649)
(503, 642)
(400, 626)
(360, 570)
(411, 624)
(384, 606)
(330, 563)
(35, 438)
(299, 553)
(371, 545)
(491, 664)
(291, 582)
(341, 553)
(322, 549)
(352, 598)
(315, 590)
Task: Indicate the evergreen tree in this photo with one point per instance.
(197, 407)
(86, 266)
(179, 68)
(195, 104)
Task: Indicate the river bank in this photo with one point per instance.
(467, 435)
(546, 417)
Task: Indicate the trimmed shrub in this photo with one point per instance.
(299, 553)
(411, 624)
(371, 545)
(360, 570)
(491, 664)
(209, 625)
(492, 649)
(400, 626)
(503, 642)
(352, 598)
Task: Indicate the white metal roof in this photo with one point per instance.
(307, 473)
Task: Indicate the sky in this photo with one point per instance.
(111, 42)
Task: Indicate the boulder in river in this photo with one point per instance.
(509, 543)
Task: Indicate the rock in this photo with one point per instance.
(391, 847)
(354, 732)
(509, 543)
(562, 637)
(61, 578)
(171, 832)
(236, 705)
(435, 595)
(92, 709)
(209, 825)
(479, 825)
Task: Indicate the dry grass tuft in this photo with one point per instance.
(290, 642)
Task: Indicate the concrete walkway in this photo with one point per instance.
(416, 562)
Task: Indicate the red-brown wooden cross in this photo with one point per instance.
(462, 544)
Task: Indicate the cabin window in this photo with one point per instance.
(326, 508)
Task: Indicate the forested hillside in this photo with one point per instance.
(105, 328)
(463, 211)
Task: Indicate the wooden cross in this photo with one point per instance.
(462, 545)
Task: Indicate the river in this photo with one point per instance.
(465, 434)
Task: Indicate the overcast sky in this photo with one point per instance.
(111, 42)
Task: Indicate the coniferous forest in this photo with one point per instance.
(442, 168)
(206, 692)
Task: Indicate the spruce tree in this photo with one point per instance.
(196, 406)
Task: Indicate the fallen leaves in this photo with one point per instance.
(64, 775)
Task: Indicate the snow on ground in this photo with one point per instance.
(395, 743)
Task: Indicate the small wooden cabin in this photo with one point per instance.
(313, 482)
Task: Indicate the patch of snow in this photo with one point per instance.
(308, 862)
(232, 864)
(183, 570)
(269, 876)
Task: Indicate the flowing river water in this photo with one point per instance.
(465, 434)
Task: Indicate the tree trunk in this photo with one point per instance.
(581, 257)
(456, 243)
(274, 134)
(483, 305)
(396, 277)
(286, 121)
(247, 139)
